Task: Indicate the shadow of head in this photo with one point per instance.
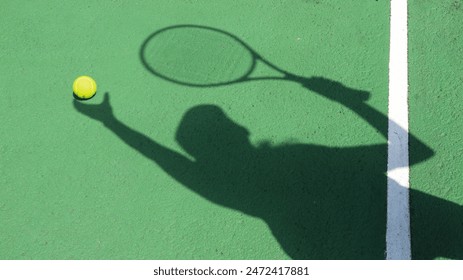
(205, 131)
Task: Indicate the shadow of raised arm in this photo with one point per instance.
(355, 100)
(170, 161)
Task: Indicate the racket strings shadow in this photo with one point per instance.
(202, 56)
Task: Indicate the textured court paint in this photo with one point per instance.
(71, 189)
(436, 106)
(398, 214)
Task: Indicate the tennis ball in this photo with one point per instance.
(84, 87)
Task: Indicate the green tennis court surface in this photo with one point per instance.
(167, 163)
(436, 76)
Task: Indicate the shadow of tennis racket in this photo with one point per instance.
(201, 56)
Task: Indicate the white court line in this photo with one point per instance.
(398, 212)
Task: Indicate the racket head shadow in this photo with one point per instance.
(197, 56)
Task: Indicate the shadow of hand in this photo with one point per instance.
(102, 112)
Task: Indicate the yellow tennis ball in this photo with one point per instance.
(84, 87)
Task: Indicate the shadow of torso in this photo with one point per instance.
(319, 202)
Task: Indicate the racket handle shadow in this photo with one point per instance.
(334, 90)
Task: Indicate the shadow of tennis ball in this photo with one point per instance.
(196, 56)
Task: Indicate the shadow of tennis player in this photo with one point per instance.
(320, 202)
